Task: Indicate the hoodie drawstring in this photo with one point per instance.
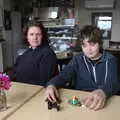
(94, 71)
(86, 64)
(106, 73)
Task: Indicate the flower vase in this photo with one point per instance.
(3, 100)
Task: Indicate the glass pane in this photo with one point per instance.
(104, 24)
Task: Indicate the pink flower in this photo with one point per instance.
(5, 81)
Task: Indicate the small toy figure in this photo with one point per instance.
(54, 105)
(74, 101)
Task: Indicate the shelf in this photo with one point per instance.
(53, 3)
(48, 20)
(58, 26)
(73, 38)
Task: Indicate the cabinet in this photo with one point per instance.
(61, 37)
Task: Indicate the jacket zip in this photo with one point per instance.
(94, 73)
(93, 68)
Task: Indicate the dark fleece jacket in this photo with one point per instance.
(36, 66)
(88, 77)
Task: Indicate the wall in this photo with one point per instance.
(41, 12)
(1, 3)
(16, 34)
(1, 59)
(6, 51)
(83, 17)
(1, 24)
(116, 27)
(7, 45)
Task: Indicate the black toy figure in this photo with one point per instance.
(54, 105)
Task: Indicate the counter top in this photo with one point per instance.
(36, 109)
(17, 96)
(112, 49)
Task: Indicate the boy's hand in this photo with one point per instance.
(95, 100)
(51, 94)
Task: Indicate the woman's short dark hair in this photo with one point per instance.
(93, 34)
(36, 24)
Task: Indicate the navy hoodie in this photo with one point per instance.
(36, 66)
(89, 77)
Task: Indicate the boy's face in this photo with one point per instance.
(90, 49)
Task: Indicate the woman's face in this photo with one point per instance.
(90, 49)
(34, 36)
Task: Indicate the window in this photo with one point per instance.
(104, 22)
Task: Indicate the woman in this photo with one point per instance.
(38, 63)
(94, 70)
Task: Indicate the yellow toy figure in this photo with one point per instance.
(74, 100)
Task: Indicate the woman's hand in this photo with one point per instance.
(95, 100)
(51, 93)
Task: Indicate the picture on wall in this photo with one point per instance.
(7, 20)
